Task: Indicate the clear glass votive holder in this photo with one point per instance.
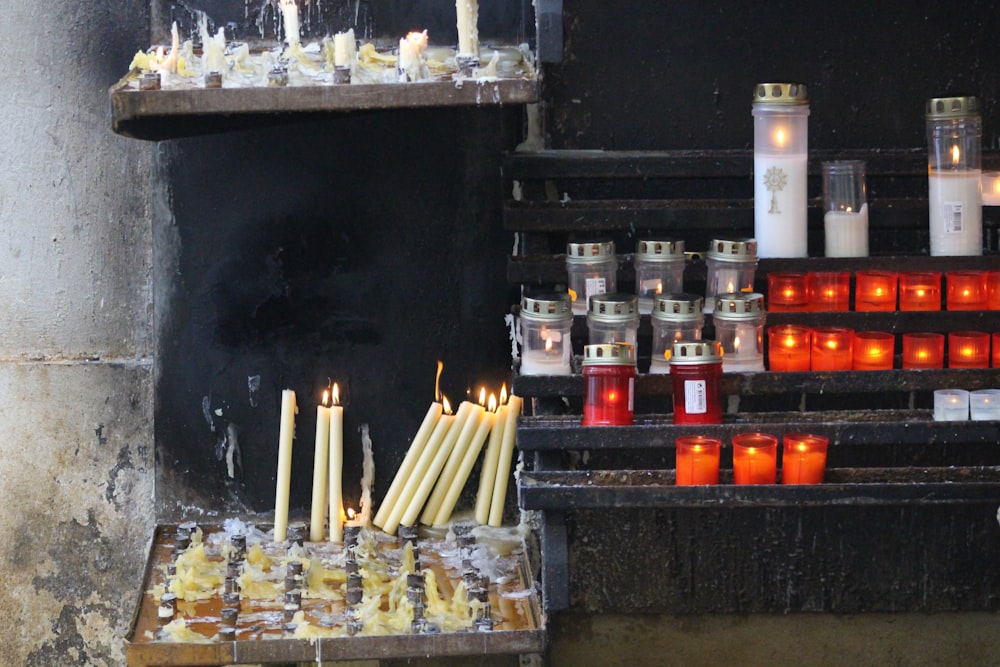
(803, 458)
(965, 290)
(829, 291)
(845, 208)
(675, 317)
(920, 290)
(968, 349)
(659, 269)
(873, 350)
(951, 405)
(923, 350)
(832, 349)
(731, 265)
(591, 268)
(984, 405)
(787, 292)
(875, 291)
(697, 460)
(789, 347)
(545, 324)
(993, 290)
(739, 328)
(755, 458)
(613, 318)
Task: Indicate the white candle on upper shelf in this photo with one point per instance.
(956, 214)
(320, 462)
(290, 19)
(846, 233)
(780, 205)
(336, 478)
(467, 15)
(286, 434)
(345, 48)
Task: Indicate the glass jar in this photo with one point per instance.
(592, 268)
(608, 384)
(954, 175)
(780, 150)
(675, 317)
(546, 345)
(731, 266)
(739, 328)
(613, 318)
(696, 378)
(659, 269)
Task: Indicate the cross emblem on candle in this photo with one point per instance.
(775, 180)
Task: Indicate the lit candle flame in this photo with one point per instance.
(968, 352)
(956, 155)
(612, 396)
(802, 447)
(790, 341)
(548, 344)
(736, 344)
(731, 287)
(351, 513)
(503, 393)
(492, 405)
(446, 406)
(779, 137)
(831, 344)
(482, 396)
(326, 398)
(336, 394)
(659, 287)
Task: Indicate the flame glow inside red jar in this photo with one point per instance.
(829, 291)
(968, 349)
(788, 347)
(755, 458)
(609, 384)
(697, 460)
(996, 350)
(993, 290)
(786, 292)
(923, 350)
(696, 378)
(920, 290)
(966, 290)
(803, 459)
(832, 349)
(873, 350)
(875, 291)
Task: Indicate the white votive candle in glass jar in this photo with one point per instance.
(954, 176)
(613, 318)
(659, 269)
(545, 323)
(845, 209)
(951, 405)
(592, 268)
(984, 405)
(675, 317)
(739, 328)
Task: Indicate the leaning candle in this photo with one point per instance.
(320, 463)
(336, 494)
(506, 456)
(465, 469)
(454, 462)
(409, 462)
(803, 459)
(285, 435)
(487, 476)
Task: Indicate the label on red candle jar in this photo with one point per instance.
(695, 397)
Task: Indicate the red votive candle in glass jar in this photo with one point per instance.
(993, 290)
(920, 290)
(609, 384)
(873, 350)
(996, 349)
(965, 290)
(788, 347)
(829, 290)
(803, 458)
(875, 291)
(696, 377)
(755, 458)
(968, 349)
(923, 350)
(697, 460)
(787, 292)
(832, 349)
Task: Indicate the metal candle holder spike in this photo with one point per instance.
(149, 81)
(277, 77)
(213, 80)
(341, 74)
(467, 64)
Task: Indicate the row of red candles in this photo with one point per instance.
(829, 291)
(792, 347)
(755, 459)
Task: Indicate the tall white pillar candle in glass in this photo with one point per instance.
(954, 171)
(845, 209)
(739, 328)
(731, 267)
(780, 156)
(545, 324)
(951, 405)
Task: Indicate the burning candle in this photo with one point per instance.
(545, 324)
(609, 384)
(697, 460)
(803, 459)
(469, 458)
(487, 477)
(951, 405)
(923, 350)
(845, 218)
(965, 290)
(739, 328)
(996, 349)
(755, 458)
(789, 347)
(286, 434)
(832, 349)
(954, 177)
(984, 405)
(336, 494)
(696, 379)
(659, 269)
(991, 188)
(920, 290)
(446, 478)
(321, 459)
(411, 63)
(993, 290)
(675, 317)
(731, 266)
(875, 290)
(506, 457)
(873, 350)
(968, 349)
(787, 292)
(829, 291)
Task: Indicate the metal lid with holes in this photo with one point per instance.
(733, 250)
(609, 354)
(659, 250)
(696, 352)
(677, 307)
(738, 305)
(951, 107)
(548, 307)
(590, 251)
(780, 93)
(613, 307)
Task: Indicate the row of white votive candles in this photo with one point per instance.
(792, 347)
(956, 405)
(877, 290)
(755, 459)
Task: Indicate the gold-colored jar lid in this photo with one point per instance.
(733, 250)
(609, 354)
(549, 307)
(613, 307)
(738, 305)
(951, 107)
(590, 251)
(659, 250)
(780, 93)
(696, 352)
(677, 307)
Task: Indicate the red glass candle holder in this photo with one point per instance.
(968, 349)
(697, 460)
(788, 347)
(832, 349)
(787, 292)
(609, 384)
(803, 458)
(875, 290)
(696, 379)
(755, 458)
(920, 290)
(873, 350)
(996, 349)
(966, 290)
(993, 290)
(829, 291)
(923, 350)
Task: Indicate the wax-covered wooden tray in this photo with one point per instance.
(469, 595)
